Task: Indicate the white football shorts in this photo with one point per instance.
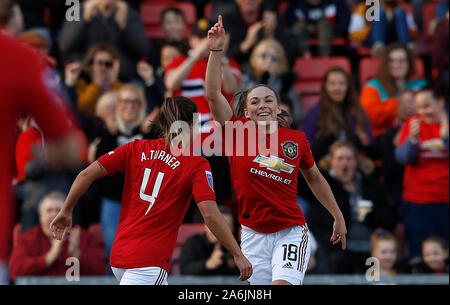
(141, 276)
(283, 255)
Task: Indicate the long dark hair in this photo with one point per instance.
(384, 75)
(330, 117)
(242, 103)
(177, 108)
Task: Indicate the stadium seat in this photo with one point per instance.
(186, 230)
(339, 41)
(16, 232)
(175, 262)
(96, 230)
(310, 75)
(368, 68)
(151, 13)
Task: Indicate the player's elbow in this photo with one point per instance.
(209, 211)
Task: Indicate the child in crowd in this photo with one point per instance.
(384, 248)
(434, 255)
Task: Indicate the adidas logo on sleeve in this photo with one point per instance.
(288, 265)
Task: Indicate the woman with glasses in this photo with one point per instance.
(87, 81)
(379, 97)
(268, 64)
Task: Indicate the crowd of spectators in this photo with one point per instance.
(382, 145)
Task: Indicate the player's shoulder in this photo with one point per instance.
(148, 143)
(12, 51)
(293, 134)
(195, 159)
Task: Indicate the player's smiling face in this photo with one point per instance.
(262, 105)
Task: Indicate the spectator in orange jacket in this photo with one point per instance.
(38, 254)
(379, 95)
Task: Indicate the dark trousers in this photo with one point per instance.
(421, 221)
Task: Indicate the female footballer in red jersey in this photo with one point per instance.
(274, 233)
(158, 187)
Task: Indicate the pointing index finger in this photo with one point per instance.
(219, 19)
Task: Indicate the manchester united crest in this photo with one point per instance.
(290, 149)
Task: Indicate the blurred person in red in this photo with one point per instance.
(422, 147)
(37, 253)
(18, 99)
(34, 180)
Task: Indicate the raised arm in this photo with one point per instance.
(63, 221)
(174, 78)
(218, 104)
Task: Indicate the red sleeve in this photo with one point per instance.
(307, 159)
(22, 262)
(92, 260)
(115, 160)
(404, 132)
(203, 184)
(175, 63)
(39, 100)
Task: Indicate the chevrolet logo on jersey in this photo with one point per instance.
(275, 164)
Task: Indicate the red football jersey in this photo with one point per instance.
(156, 195)
(23, 91)
(266, 181)
(427, 180)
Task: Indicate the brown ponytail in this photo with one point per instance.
(177, 108)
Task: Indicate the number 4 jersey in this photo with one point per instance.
(157, 192)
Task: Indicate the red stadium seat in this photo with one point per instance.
(368, 68)
(151, 13)
(310, 75)
(175, 262)
(16, 233)
(186, 230)
(335, 42)
(96, 231)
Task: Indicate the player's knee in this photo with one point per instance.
(281, 282)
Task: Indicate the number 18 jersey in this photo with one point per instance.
(157, 192)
